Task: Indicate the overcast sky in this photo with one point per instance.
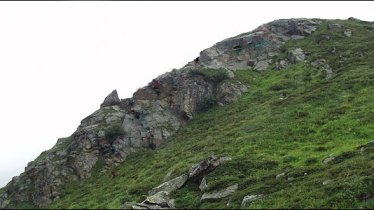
(58, 60)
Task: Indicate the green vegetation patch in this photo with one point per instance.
(211, 75)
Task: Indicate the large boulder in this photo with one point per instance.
(171, 185)
(204, 167)
(218, 195)
(297, 55)
(111, 99)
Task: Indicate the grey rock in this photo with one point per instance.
(217, 195)
(223, 160)
(128, 205)
(147, 206)
(203, 168)
(280, 175)
(328, 160)
(249, 199)
(318, 62)
(160, 198)
(328, 70)
(261, 65)
(297, 55)
(111, 99)
(170, 185)
(283, 63)
(348, 33)
(203, 186)
(326, 182)
(334, 26)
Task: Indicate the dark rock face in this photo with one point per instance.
(153, 114)
(111, 99)
(257, 47)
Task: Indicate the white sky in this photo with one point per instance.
(58, 60)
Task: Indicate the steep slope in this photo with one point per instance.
(308, 108)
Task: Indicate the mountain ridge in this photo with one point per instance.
(155, 112)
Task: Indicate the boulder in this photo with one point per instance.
(328, 71)
(204, 167)
(160, 198)
(111, 99)
(261, 65)
(217, 195)
(249, 199)
(297, 55)
(334, 26)
(283, 63)
(170, 185)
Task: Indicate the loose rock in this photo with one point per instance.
(297, 55)
(217, 195)
(249, 199)
(171, 185)
(348, 33)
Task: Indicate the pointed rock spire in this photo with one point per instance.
(111, 99)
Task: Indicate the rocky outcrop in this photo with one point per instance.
(111, 99)
(257, 48)
(153, 114)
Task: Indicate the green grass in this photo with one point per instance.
(266, 136)
(211, 75)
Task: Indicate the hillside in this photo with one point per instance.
(285, 120)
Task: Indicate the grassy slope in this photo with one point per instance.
(266, 136)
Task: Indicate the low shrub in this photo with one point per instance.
(211, 75)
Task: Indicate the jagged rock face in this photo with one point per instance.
(153, 114)
(111, 99)
(257, 48)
